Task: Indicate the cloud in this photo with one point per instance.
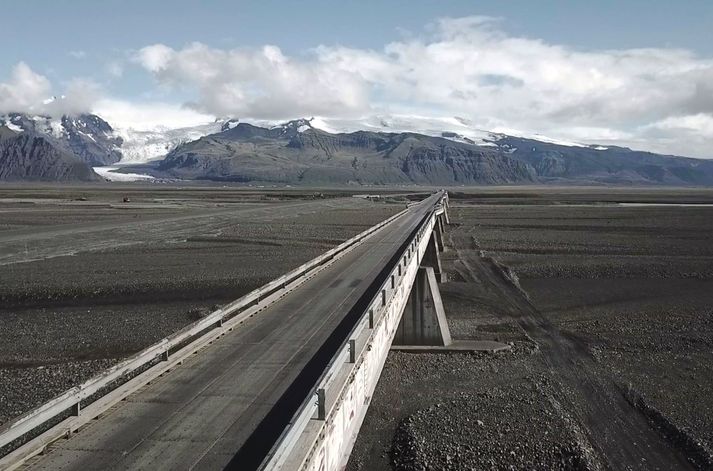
(263, 82)
(79, 54)
(148, 116)
(25, 91)
(695, 130)
(29, 92)
(466, 67)
(79, 96)
(115, 69)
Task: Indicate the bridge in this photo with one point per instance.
(280, 379)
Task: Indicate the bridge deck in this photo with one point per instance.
(200, 414)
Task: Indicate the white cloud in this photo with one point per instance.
(462, 67)
(148, 116)
(25, 91)
(699, 123)
(115, 69)
(79, 97)
(79, 54)
(666, 135)
(156, 57)
(263, 82)
(29, 92)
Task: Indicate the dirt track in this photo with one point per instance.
(620, 435)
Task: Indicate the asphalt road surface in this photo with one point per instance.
(201, 414)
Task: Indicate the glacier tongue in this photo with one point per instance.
(142, 146)
(110, 174)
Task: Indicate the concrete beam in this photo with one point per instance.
(423, 321)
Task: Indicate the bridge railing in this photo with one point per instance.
(69, 405)
(321, 434)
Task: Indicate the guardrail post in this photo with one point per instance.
(352, 351)
(321, 404)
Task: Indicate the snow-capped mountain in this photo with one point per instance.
(454, 128)
(145, 145)
(99, 144)
(28, 155)
(87, 136)
(414, 150)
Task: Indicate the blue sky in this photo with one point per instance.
(112, 47)
(44, 33)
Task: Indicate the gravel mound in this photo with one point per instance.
(20, 391)
(486, 431)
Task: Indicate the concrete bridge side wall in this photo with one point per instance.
(325, 442)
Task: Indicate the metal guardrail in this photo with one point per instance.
(71, 400)
(308, 426)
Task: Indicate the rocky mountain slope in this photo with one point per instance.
(298, 153)
(31, 156)
(557, 163)
(87, 136)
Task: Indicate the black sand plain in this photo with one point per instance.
(87, 278)
(606, 296)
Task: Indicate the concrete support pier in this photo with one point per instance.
(423, 321)
(438, 233)
(432, 259)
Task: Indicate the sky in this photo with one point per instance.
(635, 73)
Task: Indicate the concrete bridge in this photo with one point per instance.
(279, 379)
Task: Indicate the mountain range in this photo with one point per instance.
(297, 153)
(321, 152)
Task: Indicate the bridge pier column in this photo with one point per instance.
(432, 259)
(438, 233)
(423, 321)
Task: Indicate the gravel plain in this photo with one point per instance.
(608, 309)
(141, 270)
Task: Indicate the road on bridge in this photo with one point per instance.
(219, 407)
